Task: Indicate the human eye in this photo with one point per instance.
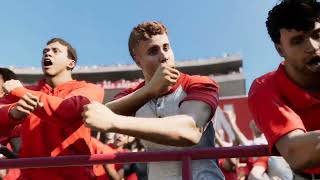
(153, 50)
(45, 50)
(316, 34)
(166, 47)
(56, 50)
(297, 40)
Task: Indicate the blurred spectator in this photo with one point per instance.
(256, 168)
(5, 75)
(11, 138)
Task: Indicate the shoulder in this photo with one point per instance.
(197, 82)
(263, 85)
(129, 90)
(197, 79)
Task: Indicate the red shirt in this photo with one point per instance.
(57, 128)
(250, 163)
(100, 148)
(229, 175)
(200, 88)
(6, 123)
(279, 106)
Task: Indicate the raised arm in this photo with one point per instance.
(240, 137)
(128, 102)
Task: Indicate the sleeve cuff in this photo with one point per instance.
(19, 92)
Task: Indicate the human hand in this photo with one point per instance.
(98, 116)
(162, 80)
(10, 85)
(26, 105)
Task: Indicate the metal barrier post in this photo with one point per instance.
(186, 168)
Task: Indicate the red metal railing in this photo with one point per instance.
(183, 155)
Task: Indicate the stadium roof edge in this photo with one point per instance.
(134, 67)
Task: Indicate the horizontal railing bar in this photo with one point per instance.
(82, 160)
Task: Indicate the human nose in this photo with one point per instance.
(164, 57)
(48, 53)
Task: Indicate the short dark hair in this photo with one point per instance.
(7, 74)
(143, 32)
(72, 53)
(299, 15)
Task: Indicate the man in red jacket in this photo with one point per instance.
(50, 113)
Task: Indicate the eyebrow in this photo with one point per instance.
(45, 49)
(153, 46)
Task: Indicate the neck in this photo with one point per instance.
(58, 79)
(147, 78)
(308, 82)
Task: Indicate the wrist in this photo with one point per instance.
(18, 92)
(113, 123)
(148, 92)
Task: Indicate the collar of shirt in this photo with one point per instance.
(297, 97)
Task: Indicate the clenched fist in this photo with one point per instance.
(163, 80)
(26, 105)
(10, 85)
(98, 116)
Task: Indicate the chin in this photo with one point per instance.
(48, 73)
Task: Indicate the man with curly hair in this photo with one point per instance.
(288, 117)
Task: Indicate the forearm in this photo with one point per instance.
(303, 150)
(238, 134)
(179, 130)
(59, 107)
(130, 103)
(112, 172)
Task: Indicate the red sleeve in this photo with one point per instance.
(5, 120)
(7, 123)
(202, 88)
(68, 108)
(127, 91)
(262, 161)
(271, 114)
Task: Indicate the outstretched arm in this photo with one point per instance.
(184, 129)
(68, 108)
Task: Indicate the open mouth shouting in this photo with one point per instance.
(47, 62)
(314, 64)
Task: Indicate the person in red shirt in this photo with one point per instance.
(8, 136)
(171, 109)
(5, 75)
(50, 113)
(285, 103)
(9, 139)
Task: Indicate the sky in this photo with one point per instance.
(99, 30)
